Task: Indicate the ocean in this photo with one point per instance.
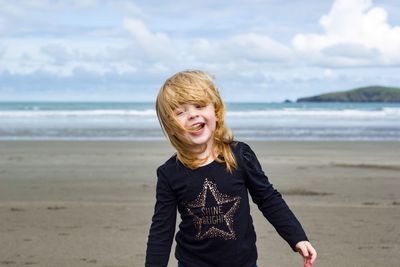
(248, 121)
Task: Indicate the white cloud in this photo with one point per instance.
(128, 7)
(81, 3)
(154, 45)
(124, 43)
(58, 53)
(138, 29)
(258, 47)
(329, 74)
(351, 50)
(24, 17)
(2, 50)
(24, 8)
(237, 49)
(353, 29)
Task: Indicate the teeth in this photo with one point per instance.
(197, 126)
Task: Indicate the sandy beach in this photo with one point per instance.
(89, 203)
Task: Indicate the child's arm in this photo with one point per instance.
(270, 201)
(162, 229)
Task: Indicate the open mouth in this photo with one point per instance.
(197, 126)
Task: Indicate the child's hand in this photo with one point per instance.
(307, 252)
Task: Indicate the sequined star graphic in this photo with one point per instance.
(213, 215)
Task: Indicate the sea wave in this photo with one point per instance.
(385, 112)
(78, 113)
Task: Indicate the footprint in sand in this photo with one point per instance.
(17, 209)
(365, 247)
(7, 262)
(89, 261)
(56, 208)
(371, 203)
(63, 234)
(17, 158)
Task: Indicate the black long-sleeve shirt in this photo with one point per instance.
(216, 228)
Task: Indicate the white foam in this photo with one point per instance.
(294, 112)
(286, 112)
(79, 113)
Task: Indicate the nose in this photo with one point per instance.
(193, 113)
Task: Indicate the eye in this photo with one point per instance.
(200, 106)
(178, 112)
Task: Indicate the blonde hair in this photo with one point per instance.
(193, 87)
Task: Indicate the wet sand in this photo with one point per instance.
(89, 203)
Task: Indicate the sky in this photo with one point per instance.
(257, 51)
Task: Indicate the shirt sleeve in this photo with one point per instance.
(163, 224)
(270, 201)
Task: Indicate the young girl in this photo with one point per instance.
(208, 180)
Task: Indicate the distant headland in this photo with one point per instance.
(364, 94)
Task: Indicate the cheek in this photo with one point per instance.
(213, 123)
(181, 121)
(177, 128)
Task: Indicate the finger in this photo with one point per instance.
(307, 262)
(313, 257)
(313, 254)
(304, 251)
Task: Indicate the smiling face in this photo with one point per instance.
(200, 122)
(191, 114)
